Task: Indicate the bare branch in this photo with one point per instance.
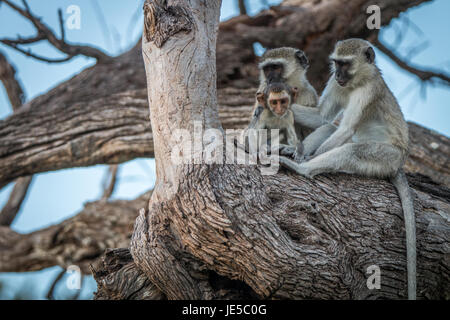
(30, 54)
(54, 283)
(12, 86)
(12, 207)
(424, 75)
(242, 7)
(110, 181)
(61, 25)
(44, 32)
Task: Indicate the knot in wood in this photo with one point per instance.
(162, 21)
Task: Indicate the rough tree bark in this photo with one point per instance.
(276, 236)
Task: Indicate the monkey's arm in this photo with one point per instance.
(308, 117)
(256, 116)
(317, 138)
(350, 119)
(291, 136)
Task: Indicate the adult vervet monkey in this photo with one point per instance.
(289, 65)
(372, 137)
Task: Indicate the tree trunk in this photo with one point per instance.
(224, 230)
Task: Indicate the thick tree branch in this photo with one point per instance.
(16, 97)
(77, 241)
(45, 33)
(108, 131)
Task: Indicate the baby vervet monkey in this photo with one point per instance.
(289, 65)
(276, 102)
(372, 137)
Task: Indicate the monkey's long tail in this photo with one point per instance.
(401, 184)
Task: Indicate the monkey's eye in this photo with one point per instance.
(276, 67)
(284, 101)
(342, 64)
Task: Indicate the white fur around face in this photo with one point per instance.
(289, 67)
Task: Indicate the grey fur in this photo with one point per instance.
(371, 139)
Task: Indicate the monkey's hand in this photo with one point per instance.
(287, 151)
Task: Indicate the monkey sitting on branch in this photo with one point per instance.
(275, 112)
(289, 66)
(372, 137)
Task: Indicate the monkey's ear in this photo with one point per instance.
(294, 94)
(370, 55)
(302, 59)
(260, 98)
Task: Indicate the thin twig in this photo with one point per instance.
(44, 32)
(61, 25)
(30, 54)
(54, 283)
(424, 75)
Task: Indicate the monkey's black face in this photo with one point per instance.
(342, 74)
(273, 72)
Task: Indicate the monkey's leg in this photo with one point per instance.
(367, 159)
(315, 139)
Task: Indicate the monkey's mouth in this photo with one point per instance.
(341, 82)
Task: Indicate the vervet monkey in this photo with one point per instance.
(372, 137)
(275, 105)
(276, 101)
(289, 65)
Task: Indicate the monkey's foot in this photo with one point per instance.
(300, 168)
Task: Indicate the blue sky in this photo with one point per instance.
(55, 196)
